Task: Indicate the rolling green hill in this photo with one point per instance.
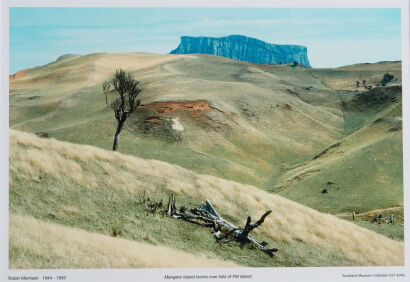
(286, 130)
(252, 125)
(362, 171)
(85, 208)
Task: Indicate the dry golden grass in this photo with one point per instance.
(81, 71)
(366, 136)
(74, 86)
(344, 78)
(288, 222)
(66, 247)
(382, 66)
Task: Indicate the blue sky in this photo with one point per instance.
(334, 37)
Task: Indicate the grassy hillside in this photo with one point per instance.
(352, 185)
(292, 131)
(344, 78)
(367, 162)
(253, 125)
(49, 245)
(75, 196)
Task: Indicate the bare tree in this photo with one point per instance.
(121, 96)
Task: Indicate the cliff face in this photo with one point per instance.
(243, 48)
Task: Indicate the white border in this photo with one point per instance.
(212, 3)
(405, 15)
(4, 142)
(316, 274)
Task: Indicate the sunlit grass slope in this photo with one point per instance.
(254, 126)
(344, 78)
(61, 186)
(363, 171)
(288, 130)
(60, 246)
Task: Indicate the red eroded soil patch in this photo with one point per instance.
(166, 108)
(17, 74)
(193, 113)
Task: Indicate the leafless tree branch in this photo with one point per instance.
(124, 90)
(206, 215)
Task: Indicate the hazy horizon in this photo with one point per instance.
(333, 37)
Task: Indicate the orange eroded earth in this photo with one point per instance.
(188, 111)
(165, 108)
(18, 74)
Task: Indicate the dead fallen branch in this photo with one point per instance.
(224, 231)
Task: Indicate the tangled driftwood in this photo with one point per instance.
(206, 215)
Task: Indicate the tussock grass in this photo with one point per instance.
(344, 78)
(364, 169)
(65, 247)
(254, 102)
(289, 224)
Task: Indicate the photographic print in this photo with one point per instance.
(176, 137)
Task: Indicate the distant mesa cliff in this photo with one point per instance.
(243, 48)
